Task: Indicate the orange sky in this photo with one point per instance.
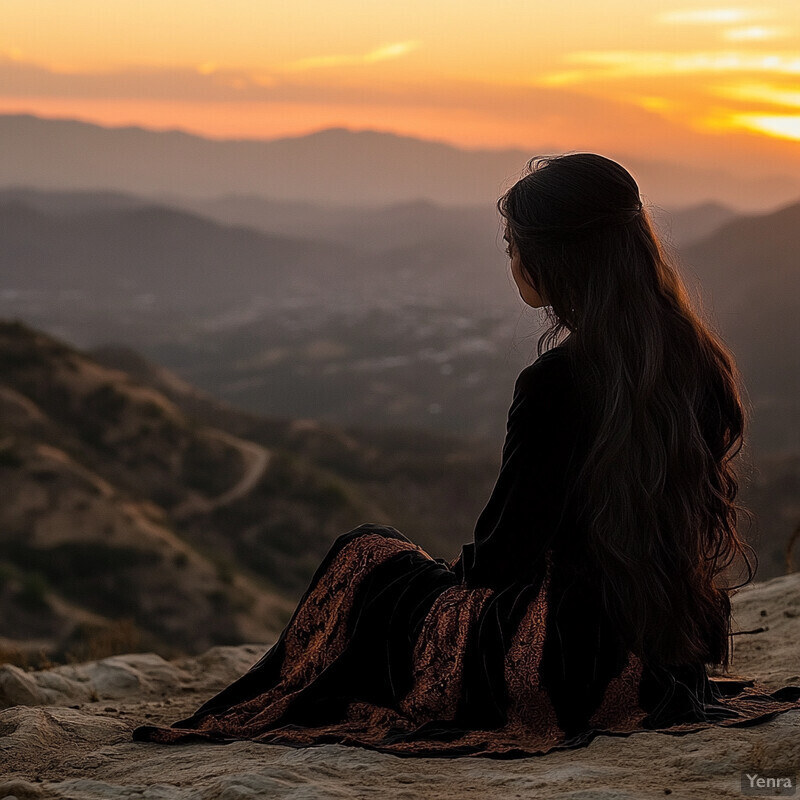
(709, 82)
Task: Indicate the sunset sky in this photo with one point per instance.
(698, 81)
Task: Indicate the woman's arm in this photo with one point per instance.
(456, 565)
(524, 512)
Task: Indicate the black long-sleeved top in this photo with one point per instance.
(533, 503)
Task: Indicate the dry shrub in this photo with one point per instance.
(91, 642)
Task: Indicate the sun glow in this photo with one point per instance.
(782, 126)
(761, 93)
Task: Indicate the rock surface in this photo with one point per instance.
(68, 737)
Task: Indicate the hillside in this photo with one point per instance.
(132, 522)
(89, 556)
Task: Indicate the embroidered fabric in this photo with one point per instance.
(389, 650)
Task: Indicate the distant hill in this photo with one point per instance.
(335, 166)
(375, 228)
(684, 226)
(750, 275)
(170, 254)
(68, 201)
(210, 294)
(761, 247)
(134, 271)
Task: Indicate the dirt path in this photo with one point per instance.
(256, 461)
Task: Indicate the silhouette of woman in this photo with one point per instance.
(592, 598)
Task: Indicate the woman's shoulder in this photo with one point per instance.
(551, 368)
(549, 386)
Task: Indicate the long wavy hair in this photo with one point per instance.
(658, 483)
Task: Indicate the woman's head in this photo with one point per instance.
(570, 221)
(661, 391)
(527, 289)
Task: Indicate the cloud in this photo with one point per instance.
(755, 33)
(762, 93)
(603, 65)
(205, 82)
(655, 103)
(383, 53)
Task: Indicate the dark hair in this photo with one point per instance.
(663, 391)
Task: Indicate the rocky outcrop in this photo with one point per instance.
(136, 675)
(69, 737)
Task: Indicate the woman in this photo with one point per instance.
(592, 597)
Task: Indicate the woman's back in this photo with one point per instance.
(532, 538)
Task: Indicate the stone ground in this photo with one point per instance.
(65, 733)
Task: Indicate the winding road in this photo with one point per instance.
(256, 460)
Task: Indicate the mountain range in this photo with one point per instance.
(334, 166)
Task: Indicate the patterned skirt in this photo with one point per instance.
(388, 650)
